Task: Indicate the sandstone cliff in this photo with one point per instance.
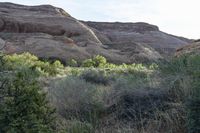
(51, 33)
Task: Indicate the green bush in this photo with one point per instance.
(74, 71)
(96, 61)
(26, 60)
(100, 61)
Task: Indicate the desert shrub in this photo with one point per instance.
(75, 99)
(96, 76)
(139, 107)
(183, 74)
(130, 82)
(80, 127)
(184, 65)
(132, 100)
(24, 107)
(193, 107)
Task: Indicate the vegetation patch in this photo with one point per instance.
(99, 96)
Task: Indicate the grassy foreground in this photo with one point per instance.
(95, 96)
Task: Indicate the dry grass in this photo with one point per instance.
(138, 103)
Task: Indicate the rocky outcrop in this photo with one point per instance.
(51, 33)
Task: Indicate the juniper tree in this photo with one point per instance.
(23, 104)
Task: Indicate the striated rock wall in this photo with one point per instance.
(50, 32)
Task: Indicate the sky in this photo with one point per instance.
(178, 17)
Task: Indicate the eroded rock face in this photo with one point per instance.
(126, 27)
(42, 19)
(143, 33)
(49, 32)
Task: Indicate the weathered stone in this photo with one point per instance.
(49, 32)
(142, 33)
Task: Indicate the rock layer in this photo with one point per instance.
(51, 33)
(143, 33)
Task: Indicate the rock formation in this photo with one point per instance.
(142, 33)
(51, 33)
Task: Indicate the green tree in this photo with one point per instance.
(27, 60)
(96, 61)
(24, 108)
(99, 60)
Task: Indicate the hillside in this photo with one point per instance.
(62, 75)
(117, 34)
(51, 33)
(193, 48)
